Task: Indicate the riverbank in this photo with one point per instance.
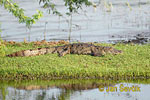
(133, 63)
(72, 84)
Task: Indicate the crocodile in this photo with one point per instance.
(75, 48)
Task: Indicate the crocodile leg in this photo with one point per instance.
(64, 52)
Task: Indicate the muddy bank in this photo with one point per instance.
(135, 38)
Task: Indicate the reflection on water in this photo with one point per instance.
(89, 25)
(75, 90)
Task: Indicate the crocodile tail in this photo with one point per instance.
(27, 53)
(10, 55)
(35, 52)
(115, 51)
(16, 54)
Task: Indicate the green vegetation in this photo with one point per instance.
(2, 48)
(72, 6)
(133, 63)
(19, 12)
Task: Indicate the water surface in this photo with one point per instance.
(89, 25)
(75, 90)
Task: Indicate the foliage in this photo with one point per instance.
(133, 63)
(50, 6)
(72, 5)
(19, 13)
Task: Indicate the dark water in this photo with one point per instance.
(75, 90)
(115, 22)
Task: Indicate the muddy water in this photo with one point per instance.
(103, 23)
(75, 90)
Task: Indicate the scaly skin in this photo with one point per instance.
(77, 48)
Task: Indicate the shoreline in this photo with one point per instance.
(132, 64)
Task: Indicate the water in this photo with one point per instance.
(90, 25)
(74, 90)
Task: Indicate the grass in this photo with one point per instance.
(133, 63)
